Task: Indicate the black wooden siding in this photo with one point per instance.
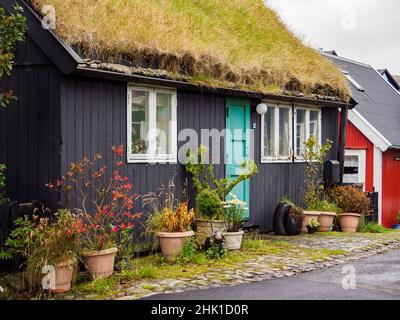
(29, 127)
(282, 179)
(93, 117)
(56, 121)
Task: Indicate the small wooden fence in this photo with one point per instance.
(373, 216)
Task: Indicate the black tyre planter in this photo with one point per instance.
(280, 216)
(293, 224)
(311, 230)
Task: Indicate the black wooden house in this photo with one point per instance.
(69, 107)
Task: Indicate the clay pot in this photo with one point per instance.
(349, 222)
(63, 277)
(233, 240)
(325, 219)
(204, 229)
(308, 216)
(171, 243)
(100, 264)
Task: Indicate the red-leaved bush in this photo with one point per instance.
(106, 212)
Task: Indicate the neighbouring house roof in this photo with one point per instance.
(390, 78)
(236, 44)
(377, 114)
(397, 78)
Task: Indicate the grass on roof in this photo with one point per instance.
(237, 42)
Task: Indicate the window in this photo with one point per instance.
(353, 81)
(152, 133)
(354, 167)
(277, 134)
(307, 124)
(277, 143)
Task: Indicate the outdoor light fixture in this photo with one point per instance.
(262, 109)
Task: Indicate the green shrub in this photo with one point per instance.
(324, 205)
(372, 227)
(209, 204)
(189, 251)
(147, 271)
(314, 157)
(203, 174)
(215, 252)
(350, 199)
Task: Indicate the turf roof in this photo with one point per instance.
(221, 43)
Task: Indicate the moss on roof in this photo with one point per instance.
(233, 43)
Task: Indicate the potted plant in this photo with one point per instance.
(209, 208)
(397, 226)
(203, 179)
(313, 226)
(234, 210)
(328, 211)
(353, 203)
(295, 218)
(170, 220)
(318, 206)
(46, 245)
(105, 213)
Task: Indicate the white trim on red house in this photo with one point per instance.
(368, 130)
(361, 155)
(378, 179)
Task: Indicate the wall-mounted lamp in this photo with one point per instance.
(262, 109)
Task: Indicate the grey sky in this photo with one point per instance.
(363, 30)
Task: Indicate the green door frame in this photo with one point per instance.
(233, 167)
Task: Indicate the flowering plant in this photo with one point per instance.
(235, 211)
(105, 214)
(167, 212)
(43, 242)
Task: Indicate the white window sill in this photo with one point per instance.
(266, 161)
(154, 160)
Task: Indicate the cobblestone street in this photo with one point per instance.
(299, 259)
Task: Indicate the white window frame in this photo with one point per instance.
(152, 156)
(361, 154)
(297, 157)
(277, 159)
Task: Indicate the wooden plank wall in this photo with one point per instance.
(30, 127)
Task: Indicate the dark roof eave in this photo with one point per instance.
(60, 53)
(116, 76)
(394, 147)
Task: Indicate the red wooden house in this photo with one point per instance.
(372, 156)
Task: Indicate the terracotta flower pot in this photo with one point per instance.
(171, 243)
(64, 275)
(100, 264)
(204, 229)
(233, 240)
(308, 216)
(325, 220)
(349, 222)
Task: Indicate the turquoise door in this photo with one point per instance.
(238, 144)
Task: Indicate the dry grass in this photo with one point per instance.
(239, 43)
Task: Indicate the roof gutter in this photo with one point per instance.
(111, 75)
